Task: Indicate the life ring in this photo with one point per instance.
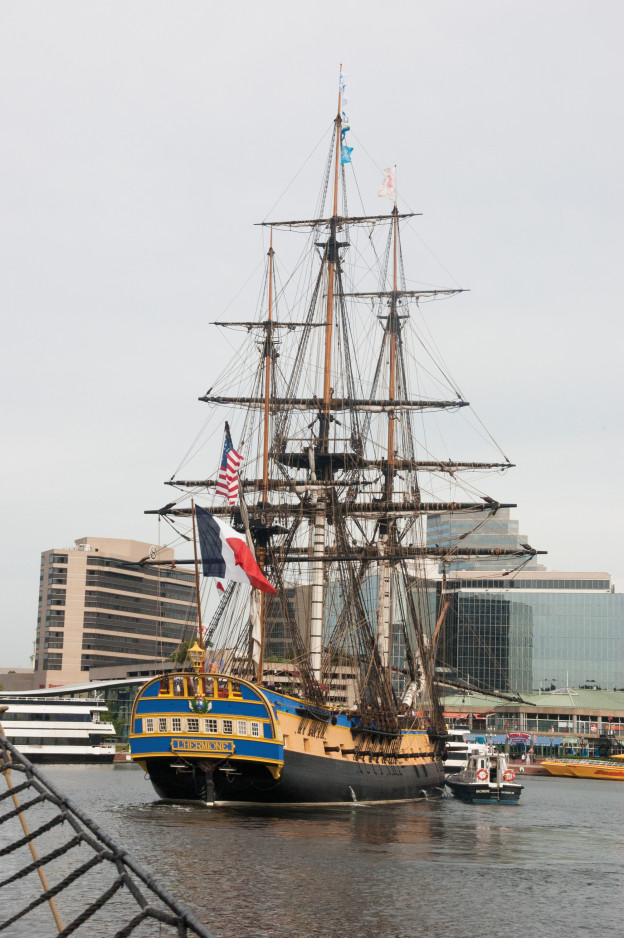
(482, 775)
(509, 775)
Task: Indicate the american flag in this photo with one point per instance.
(227, 480)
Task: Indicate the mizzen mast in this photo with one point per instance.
(386, 526)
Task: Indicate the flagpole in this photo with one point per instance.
(200, 628)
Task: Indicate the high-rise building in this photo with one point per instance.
(519, 627)
(478, 529)
(291, 606)
(99, 604)
(533, 630)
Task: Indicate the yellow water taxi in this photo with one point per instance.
(585, 769)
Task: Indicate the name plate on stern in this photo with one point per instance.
(218, 746)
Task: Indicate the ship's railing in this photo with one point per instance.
(52, 856)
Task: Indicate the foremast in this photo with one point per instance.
(263, 540)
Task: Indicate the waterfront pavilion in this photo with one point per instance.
(574, 718)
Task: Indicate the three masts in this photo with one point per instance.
(331, 498)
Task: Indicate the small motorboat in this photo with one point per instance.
(487, 777)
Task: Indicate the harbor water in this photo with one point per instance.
(551, 865)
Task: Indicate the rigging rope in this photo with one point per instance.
(88, 850)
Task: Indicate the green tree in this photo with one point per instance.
(181, 653)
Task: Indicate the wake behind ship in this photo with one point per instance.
(314, 679)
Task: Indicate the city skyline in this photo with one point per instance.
(133, 178)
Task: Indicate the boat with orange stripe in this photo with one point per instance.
(584, 768)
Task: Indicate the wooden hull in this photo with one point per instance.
(304, 779)
(253, 746)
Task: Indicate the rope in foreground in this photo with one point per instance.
(48, 845)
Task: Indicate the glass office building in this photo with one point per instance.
(537, 630)
(478, 529)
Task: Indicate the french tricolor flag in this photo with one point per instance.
(225, 553)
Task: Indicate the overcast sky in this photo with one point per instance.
(140, 141)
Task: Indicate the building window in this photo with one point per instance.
(162, 724)
(192, 725)
(149, 725)
(211, 726)
(228, 727)
(176, 724)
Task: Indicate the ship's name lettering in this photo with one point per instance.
(202, 745)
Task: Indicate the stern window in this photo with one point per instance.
(242, 728)
(192, 725)
(176, 724)
(228, 727)
(255, 729)
(211, 726)
(162, 724)
(149, 725)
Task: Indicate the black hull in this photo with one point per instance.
(305, 779)
(477, 793)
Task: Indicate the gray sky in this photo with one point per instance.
(140, 141)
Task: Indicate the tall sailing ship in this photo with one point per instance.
(323, 691)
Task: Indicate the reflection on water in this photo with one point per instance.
(551, 864)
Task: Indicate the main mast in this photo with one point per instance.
(320, 517)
